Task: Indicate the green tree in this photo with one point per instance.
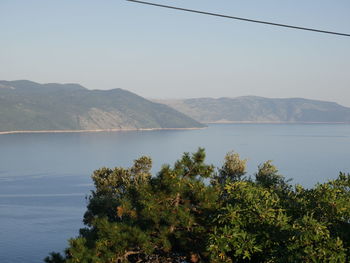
(255, 226)
(134, 217)
(188, 212)
(250, 226)
(232, 170)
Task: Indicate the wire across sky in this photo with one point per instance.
(240, 18)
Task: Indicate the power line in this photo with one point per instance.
(240, 18)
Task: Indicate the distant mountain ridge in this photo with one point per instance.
(260, 109)
(30, 106)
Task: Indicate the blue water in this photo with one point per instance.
(44, 178)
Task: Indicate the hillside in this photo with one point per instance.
(26, 105)
(259, 109)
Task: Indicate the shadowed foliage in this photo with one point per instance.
(192, 212)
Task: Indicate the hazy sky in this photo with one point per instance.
(159, 53)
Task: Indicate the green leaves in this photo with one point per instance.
(267, 221)
(190, 213)
(311, 241)
(268, 176)
(250, 222)
(232, 170)
(166, 216)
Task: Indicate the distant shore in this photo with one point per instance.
(273, 122)
(159, 129)
(96, 130)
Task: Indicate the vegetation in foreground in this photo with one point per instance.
(191, 212)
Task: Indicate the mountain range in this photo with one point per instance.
(29, 106)
(259, 109)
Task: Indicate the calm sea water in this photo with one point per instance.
(44, 178)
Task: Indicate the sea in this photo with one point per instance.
(45, 178)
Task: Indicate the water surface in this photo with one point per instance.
(44, 178)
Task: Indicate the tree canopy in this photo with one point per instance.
(192, 212)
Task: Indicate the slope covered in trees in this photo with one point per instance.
(259, 109)
(26, 105)
(192, 212)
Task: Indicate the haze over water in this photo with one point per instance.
(44, 178)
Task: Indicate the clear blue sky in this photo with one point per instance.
(160, 53)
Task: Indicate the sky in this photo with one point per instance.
(163, 54)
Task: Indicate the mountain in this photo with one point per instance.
(26, 105)
(259, 109)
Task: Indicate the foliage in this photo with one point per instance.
(232, 170)
(190, 212)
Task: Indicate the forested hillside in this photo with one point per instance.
(259, 109)
(26, 105)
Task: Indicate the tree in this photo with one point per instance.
(232, 170)
(188, 212)
(254, 226)
(134, 217)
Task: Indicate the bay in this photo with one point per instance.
(44, 178)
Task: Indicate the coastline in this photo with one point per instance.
(160, 129)
(96, 130)
(274, 122)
